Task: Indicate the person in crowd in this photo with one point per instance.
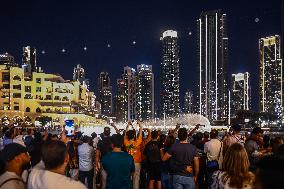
(206, 136)
(253, 146)
(3, 131)
(19, 137)
(95, 139)
(34, 148)
(29, 137)
(118, 165)
(166, 178)
(86, 155)
(235, 172)
(104, 147)
(73, 165)
(133, 147)
(9, 136)
(50, 173)
(15, 160)
(233, 137)
(183, 154)
(213, 150)
(153, 160)
(276, 143)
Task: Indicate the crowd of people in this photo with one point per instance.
(143, 158)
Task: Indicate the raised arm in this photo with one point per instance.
(140, 129)
(126, 129)
(115, 128)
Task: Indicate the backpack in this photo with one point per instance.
(153, 152)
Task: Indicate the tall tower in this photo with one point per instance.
(241, 92)
(170, 74)
(120, 101)
(188, 102)
(129, 76)
(145, 92)
(29, 60)
(271, 76)
(105, 94)
(80, 75)
(213, 60)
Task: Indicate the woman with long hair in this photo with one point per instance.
(235, 172)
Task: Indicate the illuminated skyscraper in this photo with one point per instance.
(105, 94)
(188, 102)
(29, 60)
(120, 101)
(271, 76)
(129, 76)
(170, 74)
(80, 75)
(145, 92)
(213, 59)
(7, 59)
(241, 92)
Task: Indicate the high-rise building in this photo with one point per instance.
(129, 76)
(105, 94)
(29, 60)
(80, 75)
(170, 74)
(188, 102)
(7, 59)
(241, 92)
(120, 101)
(271, 76)
(213, 60)
(145, 92)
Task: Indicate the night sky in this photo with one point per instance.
(51, 26)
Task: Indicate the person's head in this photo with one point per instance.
(170, 140)
(182, 134)
(37, 136)
(86, 139)
(30, 132)
(236, 165)
(54, 137)
(198, 136)
(131, 134)
(116, 140)
(236, 128)
(257, 131)
(162, 138)
(15, 157)
(55, 155)
(206, 135)
(94, 135)
(154, 135)
(213, 134)
(106, 131)
(276, 143)
(270, 173)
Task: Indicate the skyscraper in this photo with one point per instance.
(170, 74)
(145, 92)
(188, 102)
(80, 75)
(129, 76)
(120, 101)
(271, 76)
(213, 59)
(241, 92)
(105, 94)
(29, 60)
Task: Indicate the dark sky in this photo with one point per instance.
(54, 25)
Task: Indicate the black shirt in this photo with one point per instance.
(104, 146)
(182, 155)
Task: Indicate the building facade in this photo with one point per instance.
(271, 76)
(79, 74)
(105, 94)
(120, 101)
(29, 60)
(212, 47)
(28, 98)
(241, 92)
(170, 74)
(188, 102)
(145, 92)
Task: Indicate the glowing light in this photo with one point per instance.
(108, 45)
(256, 20)
(63, 50)
(42, 52)
(134, 42)
(85, 48)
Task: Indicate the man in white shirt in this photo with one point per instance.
(51, 175)
(86, 155)
(15, 160)
(213, 150)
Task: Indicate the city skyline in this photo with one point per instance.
(257, 22)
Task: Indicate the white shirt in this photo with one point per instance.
(86, 157)
(12, 183)
(19, 139)
(43, 179)
(212, 149)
